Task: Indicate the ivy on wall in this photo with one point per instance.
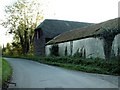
(66, 54)
(54, 50)
(80, 53)
(108, 36)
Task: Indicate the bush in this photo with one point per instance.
(96, 65)
(54, 50)
(66, 54)
(80, 53)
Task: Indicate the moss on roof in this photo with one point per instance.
(89, 31)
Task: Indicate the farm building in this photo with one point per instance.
(50, 28)
(99, 40)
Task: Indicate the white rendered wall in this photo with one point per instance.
(62, 47)
(92, 46)
(116, 44)
(47, 50)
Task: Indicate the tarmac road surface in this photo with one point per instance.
(30, 74)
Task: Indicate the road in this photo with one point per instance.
(30, 74)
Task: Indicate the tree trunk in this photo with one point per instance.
(24, 40)
(21, 41)
(26, 43)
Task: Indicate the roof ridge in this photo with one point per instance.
(65, 21)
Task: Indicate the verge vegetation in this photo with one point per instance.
(6, 72)
(0, 72)
(97, 65)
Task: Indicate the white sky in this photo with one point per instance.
(93, 11)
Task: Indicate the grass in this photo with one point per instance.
(6, 71)
(96, 65)
(0, 72)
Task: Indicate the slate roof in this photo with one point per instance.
(52, 27)
(89, 31)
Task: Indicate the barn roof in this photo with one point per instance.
(52, 27)
(89, 31)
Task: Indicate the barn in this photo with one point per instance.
(51, 28)
(99, 40)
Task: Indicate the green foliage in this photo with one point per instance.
(118, 53)
(80, 53)
(6, 71)
(16, 48)
(12, 49)
(77, 53)
(96, 65)
(0, 71)
(7, 50)
(66, 51)
(108, 34)
(21, 19)
(54, 50)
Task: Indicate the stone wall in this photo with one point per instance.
(39, 43)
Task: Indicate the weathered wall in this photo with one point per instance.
(116, 45)
(93, 47)
(47, 50)
(39, 43)
(62, 47)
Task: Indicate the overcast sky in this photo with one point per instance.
(93, 11)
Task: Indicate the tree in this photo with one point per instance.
(7, 50)
(16, 48)
(21, 19)
(108, 35)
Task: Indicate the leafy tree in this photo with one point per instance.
(7, 50)
(22, 18)
(16, 48)
(108, 35)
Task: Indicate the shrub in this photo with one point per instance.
(66, 51)
(96, 65)
(80, 53)
(54, 50)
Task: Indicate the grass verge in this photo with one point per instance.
(110, 67)
(6, 71)
(0, 72)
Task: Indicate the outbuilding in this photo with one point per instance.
(100, 40)
(50, 28)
